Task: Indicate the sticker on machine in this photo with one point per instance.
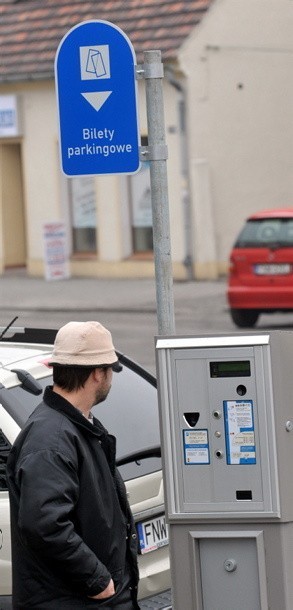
(239, 431)
(196, 447)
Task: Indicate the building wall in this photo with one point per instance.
(39, 169)
(45, 189)
(238, 65)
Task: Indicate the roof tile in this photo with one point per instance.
(30, 30)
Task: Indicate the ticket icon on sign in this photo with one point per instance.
(94, 62)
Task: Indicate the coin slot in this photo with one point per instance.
(191, 418)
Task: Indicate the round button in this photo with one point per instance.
(230, 565)
(217, 414)
(219, 454)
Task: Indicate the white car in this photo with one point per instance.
(130, 413)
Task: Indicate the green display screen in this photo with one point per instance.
(230, 368)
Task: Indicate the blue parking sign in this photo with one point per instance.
(97, 101)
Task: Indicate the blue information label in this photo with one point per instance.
(239, 430)
(97, 101)
(196, 447)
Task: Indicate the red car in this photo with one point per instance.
(261, 267)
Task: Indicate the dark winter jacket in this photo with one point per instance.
(72, 530)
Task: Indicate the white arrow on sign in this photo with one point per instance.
(97, 98)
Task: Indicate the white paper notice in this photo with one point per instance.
(196, 447)
(239, 429)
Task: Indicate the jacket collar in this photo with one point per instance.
(58, 403)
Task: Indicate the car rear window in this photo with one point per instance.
(266, 232)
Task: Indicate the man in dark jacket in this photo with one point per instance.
(73, 538)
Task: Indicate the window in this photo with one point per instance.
(130, 413)
(82, 197)
(141, 207)
(266, 232)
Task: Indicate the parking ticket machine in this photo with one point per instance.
(226, 411)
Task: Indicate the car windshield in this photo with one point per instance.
(266, 233)
(130, 413)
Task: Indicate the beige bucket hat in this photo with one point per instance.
(84, 344)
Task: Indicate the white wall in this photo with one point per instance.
(239, 69)
(40, 164)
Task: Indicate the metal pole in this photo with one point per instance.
(156, 153)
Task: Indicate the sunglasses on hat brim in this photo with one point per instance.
(116, 366)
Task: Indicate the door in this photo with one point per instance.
(13, 218)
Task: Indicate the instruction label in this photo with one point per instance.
(196, 447)
(239, 431)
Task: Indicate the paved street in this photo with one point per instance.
(126, 306)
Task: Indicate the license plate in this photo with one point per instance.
(273, 269)
(152, 534)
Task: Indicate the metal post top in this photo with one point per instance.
(211, 341)
(152, 67)
(153, 55)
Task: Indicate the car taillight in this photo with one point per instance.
(232, 267)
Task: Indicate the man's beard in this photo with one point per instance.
(101, 395)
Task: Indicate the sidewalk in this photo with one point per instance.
(16, 288)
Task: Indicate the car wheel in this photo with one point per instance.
(244, 317)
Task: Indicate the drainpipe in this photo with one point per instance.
(187, 216)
